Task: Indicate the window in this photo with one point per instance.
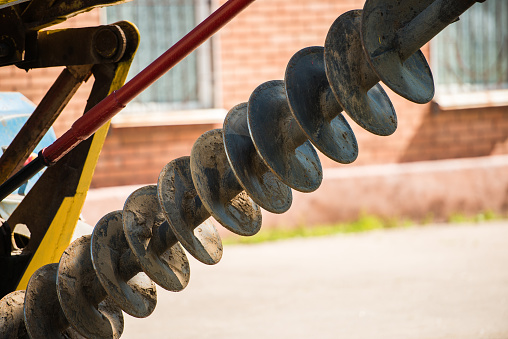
(161, 24)
(470, 57)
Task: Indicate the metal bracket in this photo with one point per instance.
(77, 46)
(56, 213)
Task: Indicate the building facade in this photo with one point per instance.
(468, 119)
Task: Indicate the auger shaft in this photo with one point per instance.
(129, 265)
(428, 24)
(194, 211)
(298, 136)
(368, 78)
(162, 240)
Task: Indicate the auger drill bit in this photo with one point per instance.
(152, 241)
(100, 275)
(383, 42)
(264, 149)
(225, 177)
(115, 265)
(127, 252)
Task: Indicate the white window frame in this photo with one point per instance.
(461, 95)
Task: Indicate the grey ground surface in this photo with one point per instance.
(435, 281)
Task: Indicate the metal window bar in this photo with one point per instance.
(472, 54)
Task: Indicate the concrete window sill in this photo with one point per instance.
(464, 100)
(172, 118)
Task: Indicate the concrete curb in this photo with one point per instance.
(411, 190)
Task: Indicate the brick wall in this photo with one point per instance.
(459, 134)
(137, 155)
(255, 47)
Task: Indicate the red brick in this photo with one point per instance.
(255, 48)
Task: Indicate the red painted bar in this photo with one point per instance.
(90, 122)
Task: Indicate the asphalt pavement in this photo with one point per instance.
(437, 281)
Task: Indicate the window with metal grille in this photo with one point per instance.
(470, 56)
(161, 24)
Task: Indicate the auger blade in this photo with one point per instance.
(150, 238)
(84, 301)
(12, 322)
(315, 108)
(261, 184)
(44, 317)
(279, 139)
(353, 81)
(410, 78)
(118, 270)
(186, 215)
(218, 188)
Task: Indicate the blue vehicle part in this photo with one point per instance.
(14, 112)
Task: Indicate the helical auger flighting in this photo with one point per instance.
(265, 148)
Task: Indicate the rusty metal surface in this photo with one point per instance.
(118, 271)
(315, 108)
(186, 215)
(353, 81)
(279, 139)
(12, 323)
(252, 173)
(41, 300)
(84, 301)
(218, 187)
(152, 241)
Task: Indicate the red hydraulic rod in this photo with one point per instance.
(90, 122)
